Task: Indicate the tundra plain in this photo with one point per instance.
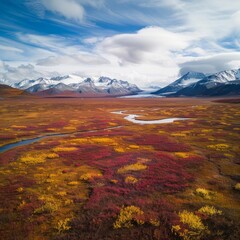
(108, 178)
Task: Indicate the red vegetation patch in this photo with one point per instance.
(234, 100)
(165, 174)
(102, 196)
(116, 132)
(58, 124)
(85, 154)
(8, 156)
(161, 143)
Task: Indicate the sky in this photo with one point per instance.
(147, 42)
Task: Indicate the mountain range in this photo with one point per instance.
(76, 86)
(224, 83)
(191, 84)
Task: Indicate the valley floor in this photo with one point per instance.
(109, 178)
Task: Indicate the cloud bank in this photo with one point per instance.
(143, 42)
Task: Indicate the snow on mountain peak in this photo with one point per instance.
(238, 74)
(75, 83)
(197, 75)
(223, 76)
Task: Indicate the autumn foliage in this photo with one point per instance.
(107, 178)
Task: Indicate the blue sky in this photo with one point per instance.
(144, 42)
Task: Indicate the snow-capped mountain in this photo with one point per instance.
(48, 82)
(184, 81)
(77, 85)
(221, 83)
(198, 84)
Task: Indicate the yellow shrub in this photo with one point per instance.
(78, 141)
(206, 130)
(103, 140)
(161, 131)
(155, 222)
(68, 202)
(63, 225)
(73, 183)
(211, 139)
(133, 146)
(64, 149)
(18, 126)
(219, 147)
(50, 205)
(132, 167)
(127, 216)
(143, 160)
(193, 221)
(62, 193)
(204, 193)
(130, 179)
(33, 158)
(22, 204)
(114, 181)
(119, 149)
(200, 108)
(74, 121)
(87, 176)
(237, 186)
(52, 155)
(182, 154)
(52, 129)
(178, 134)
(196, 229)
(20, 189)
(176, 228)
(228, 155)
(70, 128)
(210, 210)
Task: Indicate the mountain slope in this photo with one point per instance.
(222, 83)
(10, 92)
(102, 86)
(184, 81)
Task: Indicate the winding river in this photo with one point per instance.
(36, 139)
(132, 118)
(128, 117)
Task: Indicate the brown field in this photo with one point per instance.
(179, 180)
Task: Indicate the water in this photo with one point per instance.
(36, 139)
(132, 118)
(128, 117)
(26, 142)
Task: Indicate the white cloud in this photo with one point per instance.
(212, 64)
(141, 57)
(213, 19)
(188, 36)
(79, 59)
(12, 49)
(16, 74)
(92, 40)
(70, 9)
(152, 44)
(51, 42)
(152, 55)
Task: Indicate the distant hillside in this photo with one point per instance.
(184, 81)
(75, 86)
(10, 92)
(224, 83)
